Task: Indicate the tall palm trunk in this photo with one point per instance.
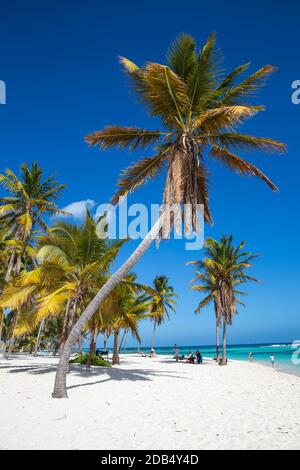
(68, 323)
(80, 345)
(14, 268)
(122, 340)
(10, 267)
(153, 335)
(38, 339)
(15, 319)
(125, 342)
(224, 346)
(1, 324)
(94, 334)
(60, 388)
(217, 342)
(116, 357)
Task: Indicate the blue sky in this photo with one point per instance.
(59, 62)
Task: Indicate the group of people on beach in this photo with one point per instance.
(192, 358)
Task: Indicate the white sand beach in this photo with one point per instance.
(148, 404)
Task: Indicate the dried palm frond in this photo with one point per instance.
(239, 165)
(123, 137)
(241, 141)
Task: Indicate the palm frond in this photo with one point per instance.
(248, 142)
(239, 165)
(182, 57)
(123, 137)
(249, 85)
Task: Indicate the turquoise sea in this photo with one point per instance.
(287, 355)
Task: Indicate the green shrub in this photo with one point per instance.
(95, 360)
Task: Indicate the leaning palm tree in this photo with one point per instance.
(200, 110)
(162, 301)
(220, 275)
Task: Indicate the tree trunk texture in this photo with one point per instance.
(94, 335)
(217, 342)
(69, 321)
(224, 347)
(38, 339)
(116, 357)
(11, 343)
(153, 336)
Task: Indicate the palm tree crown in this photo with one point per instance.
(30, 199)
(200, 109)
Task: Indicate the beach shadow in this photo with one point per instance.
(103, 374)
(34, 368)
(119, 375)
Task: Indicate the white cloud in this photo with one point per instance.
(77, 210)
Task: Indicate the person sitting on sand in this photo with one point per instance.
(191, 358)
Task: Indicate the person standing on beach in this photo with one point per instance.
(176, 353)
(272, 359)
(251, 357)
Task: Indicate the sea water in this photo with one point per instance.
(287, 355)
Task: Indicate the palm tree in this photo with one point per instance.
(161, 302)
(208, 287)
(220, 274)
(73, 263)
(123, 309)
(20, 213)
(30, 199)
(200, 111)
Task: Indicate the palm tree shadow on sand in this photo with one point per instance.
(105, 374)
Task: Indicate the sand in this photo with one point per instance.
(148, 404)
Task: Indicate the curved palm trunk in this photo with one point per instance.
(116, 357)
(38, 339)
(153, 335)
(60, 389)
(224, 352)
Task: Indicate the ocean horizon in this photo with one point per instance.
(287, 355)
